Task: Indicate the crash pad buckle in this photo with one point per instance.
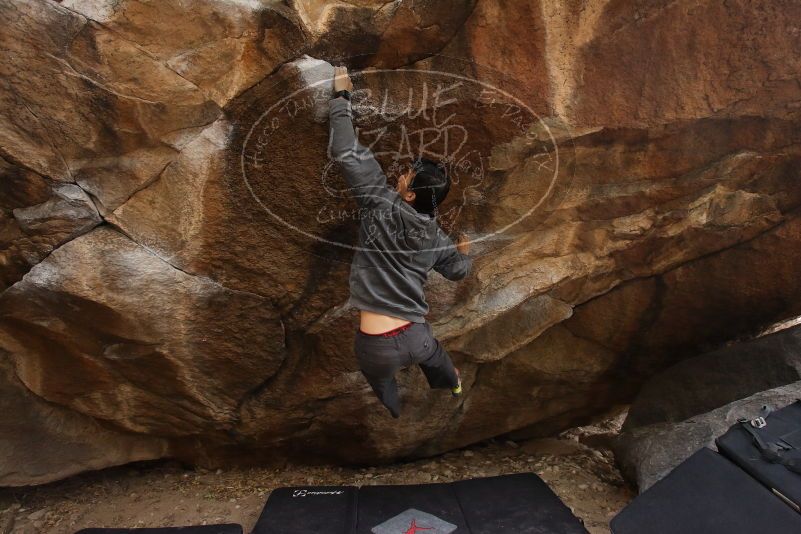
(759, 422)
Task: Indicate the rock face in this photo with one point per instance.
(50, 441)
(649, 453)
(664, 428)
(176, 242)
(711, 380)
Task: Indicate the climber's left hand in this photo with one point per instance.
(342, 80)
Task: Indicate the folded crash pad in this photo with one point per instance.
(519, 504)
(707, 494)
(769, 449)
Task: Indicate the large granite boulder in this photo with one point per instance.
(177, 242)
(716, 378)
(690, 404)
(649, 453)
(36, 216)
(51, 441)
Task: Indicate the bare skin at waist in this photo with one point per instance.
(376, 323)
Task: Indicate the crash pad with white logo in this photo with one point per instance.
(414, 521)
(509, 504)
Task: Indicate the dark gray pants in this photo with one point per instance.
(381, 357)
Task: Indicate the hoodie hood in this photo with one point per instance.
(418, 230)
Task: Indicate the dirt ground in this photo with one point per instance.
(575, 465)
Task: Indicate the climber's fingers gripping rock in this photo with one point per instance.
(463, 244)
(342, 81)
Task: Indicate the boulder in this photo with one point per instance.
(123, 350)
(52, 442)
(81, 103)
(176, 241)
(36, 216)
(661, 61)
(664, 428)
(646, 454)
(719, 377)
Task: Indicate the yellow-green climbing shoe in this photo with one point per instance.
(458, 389)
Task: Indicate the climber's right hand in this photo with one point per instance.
(463, 244)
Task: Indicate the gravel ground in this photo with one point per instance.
(575, 465)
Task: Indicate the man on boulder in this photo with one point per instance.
(400, 241)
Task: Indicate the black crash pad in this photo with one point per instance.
(205, 529)
(782, 429)
(519, 504)
(707, 494)
(309, 509)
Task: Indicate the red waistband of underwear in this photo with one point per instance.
(389, 333)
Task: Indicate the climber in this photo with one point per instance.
(400, 241)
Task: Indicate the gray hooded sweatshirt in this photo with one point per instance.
(397, 245)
